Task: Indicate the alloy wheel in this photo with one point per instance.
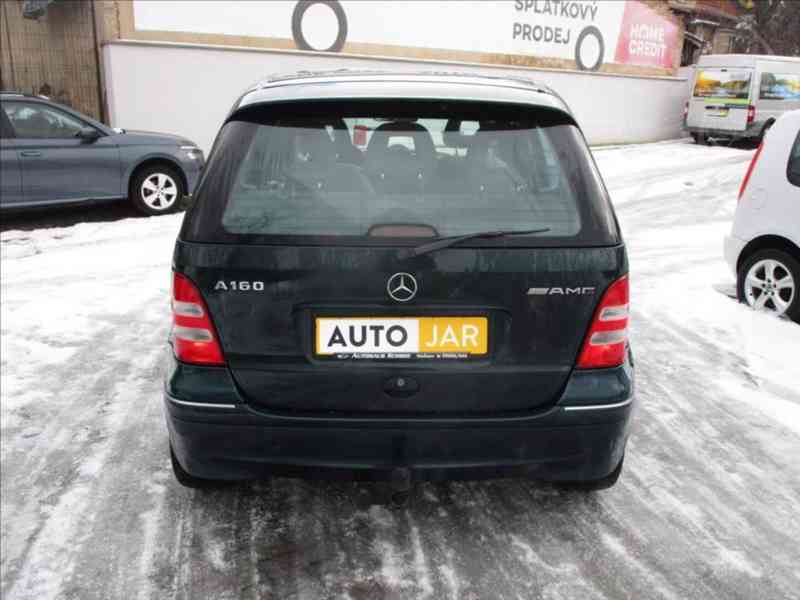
(159, 191)
(769, 285)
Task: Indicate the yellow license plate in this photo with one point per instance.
(403, 337)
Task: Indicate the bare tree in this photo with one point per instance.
(769, 27)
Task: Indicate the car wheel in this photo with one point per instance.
(768, 280)
(700, 139)
(593, 485)
(157, 190)
(190, 481)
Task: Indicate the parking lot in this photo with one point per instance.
(706, 508)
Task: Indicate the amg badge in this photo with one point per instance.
(561, 291)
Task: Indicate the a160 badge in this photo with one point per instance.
(403, 335)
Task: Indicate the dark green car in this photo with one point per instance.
(400, 276)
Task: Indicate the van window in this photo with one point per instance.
(779, 86)
(442, 169)
(723, 83)
(793, 169)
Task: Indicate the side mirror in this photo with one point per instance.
(88, 134)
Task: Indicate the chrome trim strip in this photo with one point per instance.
(199, 404)
(608, 337)
(600, 406)
(187, 309)
(614, 313)
(192, 334)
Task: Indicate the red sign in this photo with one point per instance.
(646, 38)
(360, 135)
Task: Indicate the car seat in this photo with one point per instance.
(395, 169)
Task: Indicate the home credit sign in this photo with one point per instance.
(646, 38)
(585, 33)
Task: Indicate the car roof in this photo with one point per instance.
(425, 85)
(7, 95)
(742, 59)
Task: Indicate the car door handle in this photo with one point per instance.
(30, 153)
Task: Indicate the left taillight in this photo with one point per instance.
(685, 111)
(751, 114)
(194, 339)
(750, 167)
(607, 340)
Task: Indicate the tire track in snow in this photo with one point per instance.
(51, 553)
(89, 401)
(46, 472)
(647, 179)
(712, 480)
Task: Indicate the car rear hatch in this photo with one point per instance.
(302, 242)
(721, 99)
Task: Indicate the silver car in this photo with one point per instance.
(51, 155)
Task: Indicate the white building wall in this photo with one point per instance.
(188, 89)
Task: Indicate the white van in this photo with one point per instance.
(737, 96)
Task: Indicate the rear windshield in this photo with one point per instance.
(375, 173)
(723, 83)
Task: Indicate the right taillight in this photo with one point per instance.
(685, 111)
(606, 343)
(747, 175)
(194, 340)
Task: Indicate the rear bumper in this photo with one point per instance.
(217, 451)
(582, 437)
(732, 248)
(752, 131)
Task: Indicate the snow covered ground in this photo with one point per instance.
(707, 506)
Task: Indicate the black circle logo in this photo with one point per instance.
(590, 31)
(297, 25)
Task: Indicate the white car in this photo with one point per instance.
(764, 246)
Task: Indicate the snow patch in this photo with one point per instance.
(420, 564)
(736, 561)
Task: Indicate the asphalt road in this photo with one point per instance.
(706, 508)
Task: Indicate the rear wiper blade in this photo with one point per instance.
(447, 242)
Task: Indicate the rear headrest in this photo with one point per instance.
(314, 146)
(490, 150)
(479, 148)
(423, 142)
(341, 134)
(453, 137)
(345, 149)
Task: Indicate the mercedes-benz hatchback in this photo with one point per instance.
(402, 276)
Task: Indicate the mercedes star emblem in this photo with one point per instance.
(402, 287)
